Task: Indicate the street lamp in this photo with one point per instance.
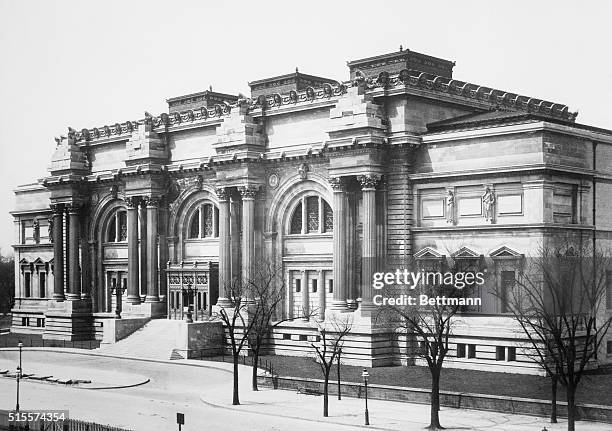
(118, 291)
(365, 376)
(20, 345)
(188, 292)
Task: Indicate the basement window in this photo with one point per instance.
(286, 336)
(461, 350)
(471, 351)
(511, 354)
(500, 353)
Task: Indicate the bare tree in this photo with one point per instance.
(239, 321)
(332, 333)
(431, 322)
(267, 290)
(7, 283)
(557, 303)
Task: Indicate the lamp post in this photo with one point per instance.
(365, 376)
(188, 292)
(20, 345)
(118, 291)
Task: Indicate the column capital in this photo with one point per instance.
(338, 184)
(368, 181)
(57, 209)
(248, 191)
(151, 201)
(223, 193)
(132, 201)
(74, 207)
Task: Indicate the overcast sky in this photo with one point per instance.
(86, 64)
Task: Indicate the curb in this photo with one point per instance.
(236, 409)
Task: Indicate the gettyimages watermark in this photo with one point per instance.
(457, 287)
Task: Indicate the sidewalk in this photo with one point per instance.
(384, 415)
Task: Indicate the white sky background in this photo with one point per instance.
(87, 64)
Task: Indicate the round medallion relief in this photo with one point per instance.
(273, 180)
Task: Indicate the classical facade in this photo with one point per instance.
(333, 181)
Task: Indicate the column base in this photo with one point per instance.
(339, 306)
(152, 298)
(58, 297)
(223, 302)
(73, 296)
(134, 299)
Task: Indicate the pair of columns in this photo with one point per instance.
(248, 193)
(305, 292)
(149, 240)
(341, 239)
(73, 246)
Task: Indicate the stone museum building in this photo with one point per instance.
(332, 180)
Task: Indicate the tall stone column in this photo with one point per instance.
(321, 291)
(142, 247)
(289, 290)
(248, 230)
(305, 295)
(152, 228)
(225, 251)
(369, 246)
(74, 240)
(340, 248)
(58, 251)
(133, 264)
(93, 279)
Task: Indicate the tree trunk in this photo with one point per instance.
(235, 400)
(255, 363)
(325, 394)
(571, 407)
(434, 422)
(553, 407)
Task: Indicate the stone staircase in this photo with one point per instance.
(155, 340)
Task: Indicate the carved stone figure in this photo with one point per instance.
(450, 207)
(36, 226)
(488, 204)
(303, 171)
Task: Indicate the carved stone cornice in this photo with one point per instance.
(338, 184)
(248, 191)
(368, 181)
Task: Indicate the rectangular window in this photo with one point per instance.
(511, 353)
(24, 321)
(42, 281)
(609, 290)
(40, 322)
(286, 336)
(27, 280)
(609, 347)
(500, 353)
(303, 337)
(507, 284)
(471, 350)
(461, 350)
(298, 285)
(331, 286)
(314, 285)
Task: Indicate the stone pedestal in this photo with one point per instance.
(144, 309)
(69, 320)
(197, 339)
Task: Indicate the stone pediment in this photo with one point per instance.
(465, 253)
(505, 252)
(428, 253)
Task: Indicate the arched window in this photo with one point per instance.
(312, 215)
(117, 227)
(204, 222)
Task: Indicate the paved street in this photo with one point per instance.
(203, 393)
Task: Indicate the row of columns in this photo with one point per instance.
(341, 252)
(248, 193)
(148, 243)
(73, 274)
